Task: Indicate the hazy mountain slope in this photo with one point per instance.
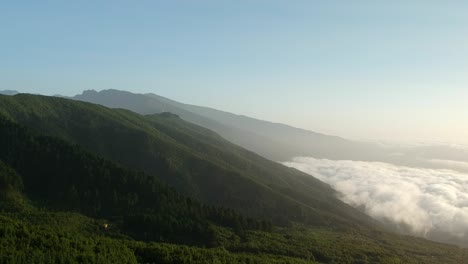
(9, 92)
(281, 142)
(153, 104)
(141, 104)
(272, 140)
(208, 168)
(278, 141)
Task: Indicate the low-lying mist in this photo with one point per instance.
(424, 202)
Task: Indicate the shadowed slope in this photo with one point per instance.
(194, 160)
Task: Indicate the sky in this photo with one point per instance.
(374, 70)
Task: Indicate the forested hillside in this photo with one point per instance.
(195, 161)
(63, 202)
(66, 177)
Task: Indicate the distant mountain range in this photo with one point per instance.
(272, 140)
(281, 142)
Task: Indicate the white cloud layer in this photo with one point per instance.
(424, 202)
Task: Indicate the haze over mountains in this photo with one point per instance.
(281, 142)
(9, 92)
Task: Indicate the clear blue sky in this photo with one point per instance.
(358, 69)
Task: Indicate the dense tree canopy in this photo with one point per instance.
(61, 202)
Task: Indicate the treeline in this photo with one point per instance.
(22, 241)
(41, 236)
(67, 177)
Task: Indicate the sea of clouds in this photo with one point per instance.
(430, 203)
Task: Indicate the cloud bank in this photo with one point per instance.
(423, 202)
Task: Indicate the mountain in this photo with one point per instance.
(281, 142)
(63, 200)
(9, 92)
(192, 159)
(271, 140)
(151, 105)
(62, 176)
(107, 214)
(275, 140)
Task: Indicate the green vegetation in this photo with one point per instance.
(25, 242)
(195, 161)
(67, 177)
(41, 236)
(63, 203)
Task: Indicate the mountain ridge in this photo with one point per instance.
(247, 137)
(230, 176)
(280, 142)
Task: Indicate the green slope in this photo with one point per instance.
(62, 176)
(55, 197)
(31, 235)
(195, 161)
